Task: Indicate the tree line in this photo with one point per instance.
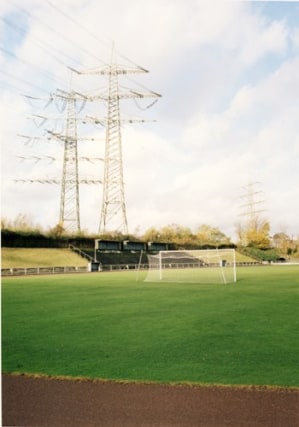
(21, 232)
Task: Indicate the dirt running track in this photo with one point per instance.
(29, 401)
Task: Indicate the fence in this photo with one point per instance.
(105, 267)
(41, 270)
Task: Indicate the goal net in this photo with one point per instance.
(197, 266)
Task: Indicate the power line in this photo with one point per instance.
(26, 62)
(15, 88)
(106, 44)
(113, 200)
(42, 44)
(77, 23)
(83, 49)
(23, 81)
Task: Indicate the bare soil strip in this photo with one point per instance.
(33, 401)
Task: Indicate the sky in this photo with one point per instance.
(228, 73)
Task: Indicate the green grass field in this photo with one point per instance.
(108, 325)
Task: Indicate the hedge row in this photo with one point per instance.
(32, 239)
(23, 239)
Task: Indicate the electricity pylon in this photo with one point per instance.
(253, 201)
(113, 197)
(251, 209)
(69, 214)
(113, 210)
(69, 217)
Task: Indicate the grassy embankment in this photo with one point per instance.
(43, 257)
(40, 257)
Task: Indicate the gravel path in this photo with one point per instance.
(29, 401)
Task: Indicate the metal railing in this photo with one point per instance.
(81, 253)
(84, 269)
(26, 271)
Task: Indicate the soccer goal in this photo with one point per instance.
(197, 266)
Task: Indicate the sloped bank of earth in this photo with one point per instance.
(40, 401)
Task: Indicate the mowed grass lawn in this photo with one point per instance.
(108, 325)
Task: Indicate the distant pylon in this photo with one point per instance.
(251, 210)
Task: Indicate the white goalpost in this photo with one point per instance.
(194, 266)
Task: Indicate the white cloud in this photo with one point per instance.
(295, 38)
(260, 39)
(229, 78)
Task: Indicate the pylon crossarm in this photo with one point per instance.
(57, 181)
(108, 69)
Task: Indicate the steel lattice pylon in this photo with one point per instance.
(69, 217)
(113, 201)
(251, 210)
(113, 211)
